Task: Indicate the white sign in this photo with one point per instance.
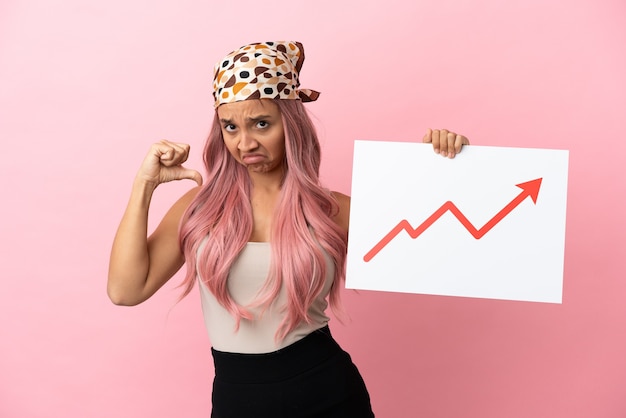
(489, 223)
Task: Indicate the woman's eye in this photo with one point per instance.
(229, 128)
(262, 124)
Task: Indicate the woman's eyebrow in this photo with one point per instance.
(251, 118)
(258, 118)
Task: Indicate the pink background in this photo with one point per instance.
(86, 86)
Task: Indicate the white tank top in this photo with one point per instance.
(247, 276)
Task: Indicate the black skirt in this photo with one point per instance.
(312, 377)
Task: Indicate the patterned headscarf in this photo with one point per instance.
(267, 70)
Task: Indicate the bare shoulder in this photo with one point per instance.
(343, 216)
(186, 199)
(173, 216)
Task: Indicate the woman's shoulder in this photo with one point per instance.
(177, 210)
(342, 218)
(342, 199)
(186, 199)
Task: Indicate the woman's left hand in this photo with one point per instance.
(445, 143)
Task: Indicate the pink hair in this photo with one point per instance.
(303, 228)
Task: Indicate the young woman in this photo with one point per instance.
(262, 237)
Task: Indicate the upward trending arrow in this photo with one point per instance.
(529, 189)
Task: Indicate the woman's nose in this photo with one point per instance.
(247, 142)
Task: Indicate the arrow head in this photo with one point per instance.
(531, 188)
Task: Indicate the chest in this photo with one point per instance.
(263, 211)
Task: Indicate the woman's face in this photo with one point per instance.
(253, 133)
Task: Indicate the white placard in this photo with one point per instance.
(489, 223)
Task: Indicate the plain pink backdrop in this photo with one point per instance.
(86, 86)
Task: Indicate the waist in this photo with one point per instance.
(292, 360)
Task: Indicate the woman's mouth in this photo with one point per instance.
(249, 159)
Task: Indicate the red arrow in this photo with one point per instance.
(529, 188)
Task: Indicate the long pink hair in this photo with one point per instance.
(302, 229)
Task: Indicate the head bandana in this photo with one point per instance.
(267, 70)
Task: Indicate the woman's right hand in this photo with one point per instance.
(164, 163)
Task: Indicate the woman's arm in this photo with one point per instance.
(342, 218)
(139, 265)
